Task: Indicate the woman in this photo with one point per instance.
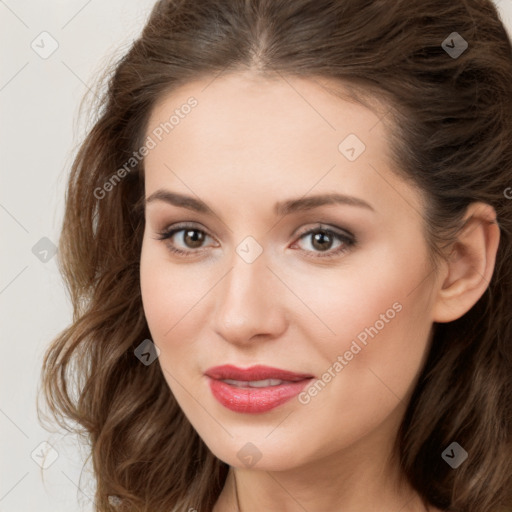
(222, 358)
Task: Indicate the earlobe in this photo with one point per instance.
(470, 265)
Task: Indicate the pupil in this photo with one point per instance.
(320, 238)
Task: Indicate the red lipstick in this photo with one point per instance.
(256, 389)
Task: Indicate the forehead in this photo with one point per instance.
(236, 109)
(285, 134)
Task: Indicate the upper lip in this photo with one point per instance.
(258, 372)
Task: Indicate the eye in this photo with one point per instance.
(189, 236)
(322, 240)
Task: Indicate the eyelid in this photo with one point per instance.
(180, 226)
(325, 227)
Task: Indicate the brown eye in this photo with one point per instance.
(184, 240)
(193, 238)
(322, 240)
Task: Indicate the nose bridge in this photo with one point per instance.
(246, 303)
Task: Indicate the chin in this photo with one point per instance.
(266, 455)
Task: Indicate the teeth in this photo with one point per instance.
(254, 383)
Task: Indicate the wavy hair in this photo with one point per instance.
(450, 128)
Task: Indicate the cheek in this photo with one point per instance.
(376, 317)
(168, 300)
(348, 300)
(176, 303)
(368, 368)
(168, 295)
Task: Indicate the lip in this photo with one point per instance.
(258, 372)
(254, 400)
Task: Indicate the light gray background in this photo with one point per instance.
(39, 134)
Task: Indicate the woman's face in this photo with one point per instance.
(274, 274)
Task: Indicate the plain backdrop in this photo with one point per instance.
(40, 131)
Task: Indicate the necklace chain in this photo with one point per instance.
(236, 493)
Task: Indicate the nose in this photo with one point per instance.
(250, 303)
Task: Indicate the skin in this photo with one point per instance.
(249, 143)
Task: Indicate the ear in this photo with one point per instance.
(470, 265)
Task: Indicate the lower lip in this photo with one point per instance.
(254, 400)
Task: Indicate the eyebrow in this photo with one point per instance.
(310, 202)
(281, 208)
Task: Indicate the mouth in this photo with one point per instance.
(256, 389)
(255, 383)
(254, 373)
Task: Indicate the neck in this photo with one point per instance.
(323, 488)
(363, 476)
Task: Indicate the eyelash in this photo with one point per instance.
(349, 240)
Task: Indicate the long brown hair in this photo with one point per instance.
(450, 126)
